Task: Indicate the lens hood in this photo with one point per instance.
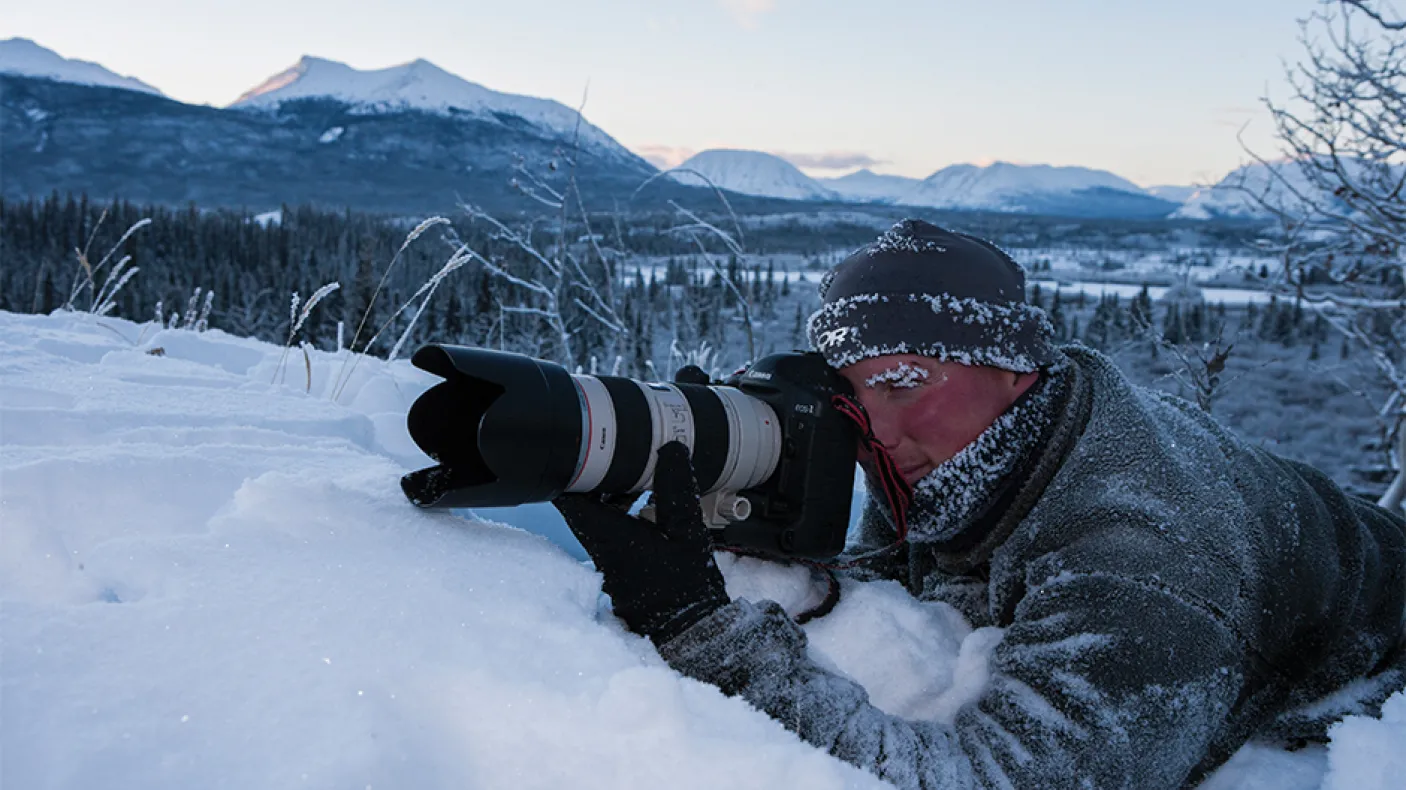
(504, 428)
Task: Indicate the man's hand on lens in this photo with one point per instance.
(661, 577)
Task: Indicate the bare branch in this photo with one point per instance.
(1361, 5)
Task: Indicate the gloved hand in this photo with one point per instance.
(661, 577)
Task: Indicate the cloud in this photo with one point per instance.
(830, 160)
(664, 156)
(748, 13)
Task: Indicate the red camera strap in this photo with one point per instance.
(895, 489)
(897, 492)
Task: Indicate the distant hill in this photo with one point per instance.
(415, 138)
(1036, 189)
(409, 139)
(1233, 197)
(866, 186)
(23, 57)
(421, 85)
(751, 173)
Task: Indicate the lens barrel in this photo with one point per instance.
(507, 429)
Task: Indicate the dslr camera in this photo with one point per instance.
(773, 457)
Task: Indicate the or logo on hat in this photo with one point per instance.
(832, 337)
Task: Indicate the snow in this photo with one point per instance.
(1366, 753)
(331, 135)
(998, 186)
(751, 173)
(25, 57)
(208, 580)
(418, 85)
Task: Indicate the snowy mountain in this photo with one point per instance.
(1234, 196)
(411, 139)
(866, 186)
(751, 173)
(1044, 189)
(24, 57)
(418, 85)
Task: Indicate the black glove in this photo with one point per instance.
(661, 577)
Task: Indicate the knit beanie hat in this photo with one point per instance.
(920, 289)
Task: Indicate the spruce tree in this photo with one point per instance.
(1140, 310)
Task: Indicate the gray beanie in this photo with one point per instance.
(920, 289)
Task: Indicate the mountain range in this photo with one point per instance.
(416, 138)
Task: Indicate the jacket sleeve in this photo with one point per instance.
(1100, 682)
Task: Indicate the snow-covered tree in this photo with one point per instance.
(1336, 190)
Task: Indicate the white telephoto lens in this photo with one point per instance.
(671, 420)
(598, 434)
(753, 440)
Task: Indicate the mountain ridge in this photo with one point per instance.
(750, 173)
(25, 57)
(418, 84)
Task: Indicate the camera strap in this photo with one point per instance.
(897, 492)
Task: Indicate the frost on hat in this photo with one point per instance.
(920, 289)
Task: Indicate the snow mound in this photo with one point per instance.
(211, 580)
(419, 85)
(23, 56)
(751, 173)
(1368, 753)
(209, 577)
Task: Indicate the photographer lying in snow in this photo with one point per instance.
(1167, 591)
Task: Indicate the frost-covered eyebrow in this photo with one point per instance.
(900, 376)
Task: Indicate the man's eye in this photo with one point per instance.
(900, 389)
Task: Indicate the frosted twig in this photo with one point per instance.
(112, 277)
(297, 317)
(722, 198)
(385, 275)
(110, 303)
(428, 289)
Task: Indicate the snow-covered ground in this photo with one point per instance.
(208, 579)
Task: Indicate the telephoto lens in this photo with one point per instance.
(506, 429)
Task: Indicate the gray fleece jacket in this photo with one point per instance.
(1167, 593)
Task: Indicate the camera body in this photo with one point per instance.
(803, 508)
(774, 459)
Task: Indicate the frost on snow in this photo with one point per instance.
(209, 580)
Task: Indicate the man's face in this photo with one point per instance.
(925, 411)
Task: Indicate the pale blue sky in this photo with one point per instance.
(1154, 91)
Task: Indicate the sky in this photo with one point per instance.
(1157, 92)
